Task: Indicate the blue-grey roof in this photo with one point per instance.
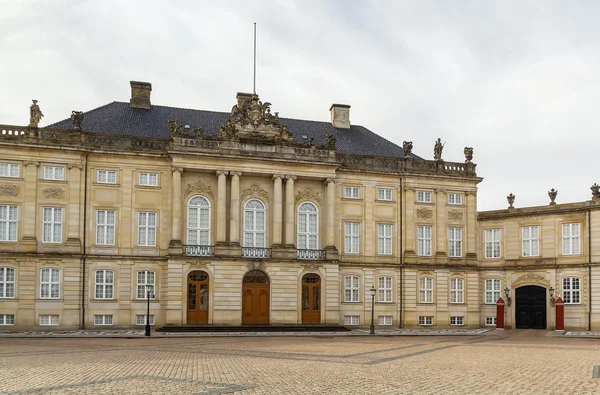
(118, 118)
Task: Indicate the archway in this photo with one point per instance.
(530, 307)
(197, 296)
(311, 299)
(255, 298)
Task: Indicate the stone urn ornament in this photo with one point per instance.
(511, 200)
(552, 194)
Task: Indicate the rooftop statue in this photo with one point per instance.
(35, 114)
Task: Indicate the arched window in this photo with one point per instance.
(308, 227)
(198, 222)
(254, 224)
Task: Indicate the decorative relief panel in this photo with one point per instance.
(424, 213)
(256, 264)
(198, 264)
(308, 194)
(9, 190)
(312, 267)
(531, 278)
(199, 187)
(53, 193)
(455, 215)
(255, 191)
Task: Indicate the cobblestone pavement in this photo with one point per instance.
(501, 362)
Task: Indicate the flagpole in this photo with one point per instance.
(254, 82)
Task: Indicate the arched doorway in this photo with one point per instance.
(530, 307)
(197, 295)
(311, 299)
(255, 298)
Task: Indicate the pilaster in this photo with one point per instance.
(221, 207)
(28, 239)
(278, 210)
(289, 211)
(175, 243)
(74, 205)
(234, 226)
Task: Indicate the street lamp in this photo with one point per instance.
(149, 287)
(372, 329)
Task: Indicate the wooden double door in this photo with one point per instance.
(256, 300)
(197, 296)
(311, 299)
(530, 307)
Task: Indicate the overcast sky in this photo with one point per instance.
(519, 81)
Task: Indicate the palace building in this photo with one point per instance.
(247, 218)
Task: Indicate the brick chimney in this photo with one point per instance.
(340, 116)
(140, 94)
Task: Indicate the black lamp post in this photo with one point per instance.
(148, 292)
(372, 329)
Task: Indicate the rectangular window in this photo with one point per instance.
(9, 170)
(457, 290)
(426, 290)
(107, 177)
(492, 243)
(9, 216)
(531, 240)
(54, 173)
(351, 320)
(351, 237)
(384, 194)
(490, 321)
(7, 282)
(384, 291)
(149, 179)
(48, 319)
(571, 290)
(105, 227)
(384, 239)
(143, 278)
(457, 320)
(50, 284)
(492, 291)
(103, 319)
(570, 239)
(351, 289)
(352, 192)
(423, 197)
(424, 240)
(425, 320)
(455, 198)
(105, 281)
(52, 225)
(147, 229)
(7, 319)
(455, 242)
(384, 320)
(140, 319)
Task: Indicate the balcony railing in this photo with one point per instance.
(256, 252)
(195, 250)
(312, 255)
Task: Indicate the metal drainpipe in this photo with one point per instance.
(83, 256)
(400, 259)
(590, 269)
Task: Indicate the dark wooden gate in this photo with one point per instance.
(197, 293)
(255, 298)
(311, 299)
(530, 307)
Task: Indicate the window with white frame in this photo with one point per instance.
(198, 221)
(492, 243)
(308, 227)
(384, 239)
(384, 320)
(457, 290)
(531, 240)
(9, 170)
(9, 215)
(384, 291)
(254, 224)
(105, 283)
(148, 179)
(423, 197)
(426, 290)
(52, 225)
(103, 319)
(490, 321)
(7, 319)
(384, 194)
(424, 240)
(570, 239)
(352, 192)
(492, 291)
(7, 282)
(455, 242)
(425, 320)
(351, 289)
(455, 198)
(147, 229)
(571, 287)
(144, 278)
(54, 173)
(457, 320)
(351, 320)
(107, 176)
(50, 284)
(48, 319)
(105, 227)
(351, 237)
(140, 319)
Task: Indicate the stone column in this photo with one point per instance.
(221, 207)
(74, 209)
(278, 210)
(470, 230)
(234, 226)
(177, 203)
(30, 170)
(330, 213)
(289, 211)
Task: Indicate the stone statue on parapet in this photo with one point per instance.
(77, 118)
(437, 149)
(407, 146)
(35, 114)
